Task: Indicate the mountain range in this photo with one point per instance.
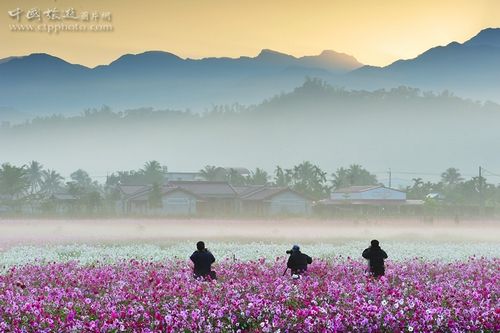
(470, 69)
(41, 84)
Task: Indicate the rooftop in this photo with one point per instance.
(207, 189)
(363, 188)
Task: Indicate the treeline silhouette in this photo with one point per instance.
(402, 128)
(315, 89)
(24, 188)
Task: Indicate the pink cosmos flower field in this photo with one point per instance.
(252, 296)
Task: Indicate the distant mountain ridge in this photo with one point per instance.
(158, 79)
(470, 69)
(44, 84)
(328, 59)
(489, 37)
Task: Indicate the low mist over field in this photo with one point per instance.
(287, 232)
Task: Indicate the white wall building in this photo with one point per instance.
(368, 194)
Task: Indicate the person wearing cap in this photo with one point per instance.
(375, 256)
(203, 260)
(298, 261)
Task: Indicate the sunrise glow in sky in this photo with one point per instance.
(375, 32)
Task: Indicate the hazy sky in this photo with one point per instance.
(375, 32)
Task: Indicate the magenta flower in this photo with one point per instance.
(337, 296)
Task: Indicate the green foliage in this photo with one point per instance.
(32, 189)
(213, 173)
(451, 177)
(282, 177)
(52, 182)
(152, 172)
(34, 173)
(355, 175)
(81, 179)
(93, 201)
(13, 180)
(258, 177)
(420, 189)
(305, 178)
(236, 178)
(155, 196)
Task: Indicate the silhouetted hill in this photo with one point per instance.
(490, 37)
(402, 128)
(471, 69)
(43, 84)
(157, 78)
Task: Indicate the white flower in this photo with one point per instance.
(410, 328)
(108, 254)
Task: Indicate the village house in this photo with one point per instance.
(209, 198)
(174, 201)
(62, 203)
(272, 201)
(183, 176)
(217, 197)
(370, 199)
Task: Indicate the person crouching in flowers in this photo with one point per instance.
(297, 262)
(203, 260)
(375, 256)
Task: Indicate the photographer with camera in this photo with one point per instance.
(297, 262)
(375, 256)
(203, 260)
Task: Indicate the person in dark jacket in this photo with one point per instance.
(298, 261)
(203, 260)
(375, 256)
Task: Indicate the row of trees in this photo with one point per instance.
(305, 177)
(453, 188)
(311, 86)
(32, 184)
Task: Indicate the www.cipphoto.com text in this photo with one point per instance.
(60, 27)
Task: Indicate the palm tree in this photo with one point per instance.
(356, 175)
(51, 181)
(259, 177)
(340, 178)
(451, 177)
(420, 189)
(360, 176)
(209, 172)
(153, 172)
(235, 178)
(213, 173)
(282, 177)
(309, 179)
(34, 173)
(417, 182)
(13, 180)
(82, 178)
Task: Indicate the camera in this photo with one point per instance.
(289, 251)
